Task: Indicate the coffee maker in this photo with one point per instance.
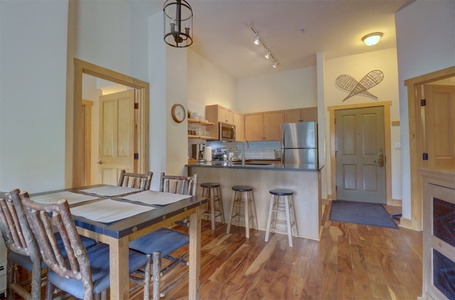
(197, 152)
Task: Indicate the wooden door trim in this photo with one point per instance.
(87, 104)
(387, 143)
(142, 92)
(416, 138)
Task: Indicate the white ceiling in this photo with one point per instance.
(334, 27)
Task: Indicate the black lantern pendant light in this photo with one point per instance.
(178, 23)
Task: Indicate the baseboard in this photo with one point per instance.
(396, 202)
(406, 223)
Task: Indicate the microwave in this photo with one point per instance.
(226, 132)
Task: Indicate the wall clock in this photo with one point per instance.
(178, 113)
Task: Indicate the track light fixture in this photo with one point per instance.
(258, 40)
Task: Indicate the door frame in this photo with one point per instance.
(387, 144)
(87, 107)
(416, 136)
(142, 90)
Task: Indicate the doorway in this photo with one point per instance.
(141, 94)
(386, 154)
(360, 170)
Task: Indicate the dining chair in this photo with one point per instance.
(163, 242)
(22, 249)
(83, 272)
(135, 180)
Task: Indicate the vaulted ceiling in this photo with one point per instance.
(294, 30)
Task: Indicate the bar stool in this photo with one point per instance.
(212, 191)
(281, 202)
(243, 192)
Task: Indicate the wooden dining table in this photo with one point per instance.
(117, 234)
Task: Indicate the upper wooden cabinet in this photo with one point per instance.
(309, 114)
(264, 126)
(217, 113)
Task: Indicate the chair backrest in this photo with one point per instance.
(15, 227)
(178, 184)
(45, 221)
(135, 180)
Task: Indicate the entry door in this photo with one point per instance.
(360, 160)
(440, 126)
(116, 147)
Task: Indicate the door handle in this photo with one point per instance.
(99, 162)
(380, 160)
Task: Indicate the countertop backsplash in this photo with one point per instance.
(254, 150)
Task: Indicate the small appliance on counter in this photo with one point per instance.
(197, 152)
(219, 154)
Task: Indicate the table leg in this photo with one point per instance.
(195, 255)
(119, 277)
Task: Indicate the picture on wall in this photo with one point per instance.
(353, 87)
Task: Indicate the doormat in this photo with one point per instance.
(361, 213)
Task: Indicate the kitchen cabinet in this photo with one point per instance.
(265, 126)
(309, 114)
(217, 113)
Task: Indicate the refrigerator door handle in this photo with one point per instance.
(282, 146)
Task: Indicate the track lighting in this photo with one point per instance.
(258, 40)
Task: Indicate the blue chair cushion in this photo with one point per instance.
(26, 262)
(163, 240)
(99, 263)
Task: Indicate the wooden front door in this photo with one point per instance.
(440, 126)
(116, 147)
(360, 158)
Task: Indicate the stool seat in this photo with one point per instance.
(242, 188)
(210, 184)
(281, 192)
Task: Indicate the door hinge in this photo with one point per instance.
(336, 188)
(423, 102)
(425, 156)
(136, 156)
(136, 105)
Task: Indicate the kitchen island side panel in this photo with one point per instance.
(305, 184)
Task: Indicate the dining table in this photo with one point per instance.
(117, 215)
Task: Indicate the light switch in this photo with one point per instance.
(397, 146)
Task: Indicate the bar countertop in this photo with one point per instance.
(257, 165)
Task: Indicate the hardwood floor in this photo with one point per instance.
(349, 262)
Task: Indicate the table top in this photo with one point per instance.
(126, 226)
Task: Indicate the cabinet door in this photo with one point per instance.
(225, 115)
(254, 127)
(238, 122)
(272, 125)
(309, 114)
(292, 115)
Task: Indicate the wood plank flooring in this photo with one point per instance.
(349, 262)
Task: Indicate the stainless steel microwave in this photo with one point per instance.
(226, 132)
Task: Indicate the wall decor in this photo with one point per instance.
(354, 87)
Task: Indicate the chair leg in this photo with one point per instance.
(147, 277)
(228, 229)
(247, 214)
(36, 280)
(156, 269)
(294, 216)
(9, 278)
(288, 220)
(269, 219)
(220, 203)
(253, 211)
(49, 291)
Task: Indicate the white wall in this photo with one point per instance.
(33, 41)
(425, 43)
(208, 84)
(280, 90)
(358, 66)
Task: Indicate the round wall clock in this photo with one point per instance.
(178, 113)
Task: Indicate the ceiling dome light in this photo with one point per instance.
(372, 38)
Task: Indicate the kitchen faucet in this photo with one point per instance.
(246, 145)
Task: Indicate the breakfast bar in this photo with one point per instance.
(304, 180)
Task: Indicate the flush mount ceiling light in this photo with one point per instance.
(372, 38)
(178, 23)
(259, 41)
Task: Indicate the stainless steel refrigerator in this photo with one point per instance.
(299, 144)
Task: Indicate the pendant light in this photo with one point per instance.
(178, 23)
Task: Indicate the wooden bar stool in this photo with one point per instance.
(212, 191)
(243, 192)
(281, 202)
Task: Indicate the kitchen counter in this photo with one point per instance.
(263, 176)
(256, 164)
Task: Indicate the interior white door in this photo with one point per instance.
(116, 146)
(360, 160)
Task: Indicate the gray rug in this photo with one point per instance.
(361, 213)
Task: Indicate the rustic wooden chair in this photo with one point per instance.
(84, 272)
(135, 180)
(164, 241)
(21, 247)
